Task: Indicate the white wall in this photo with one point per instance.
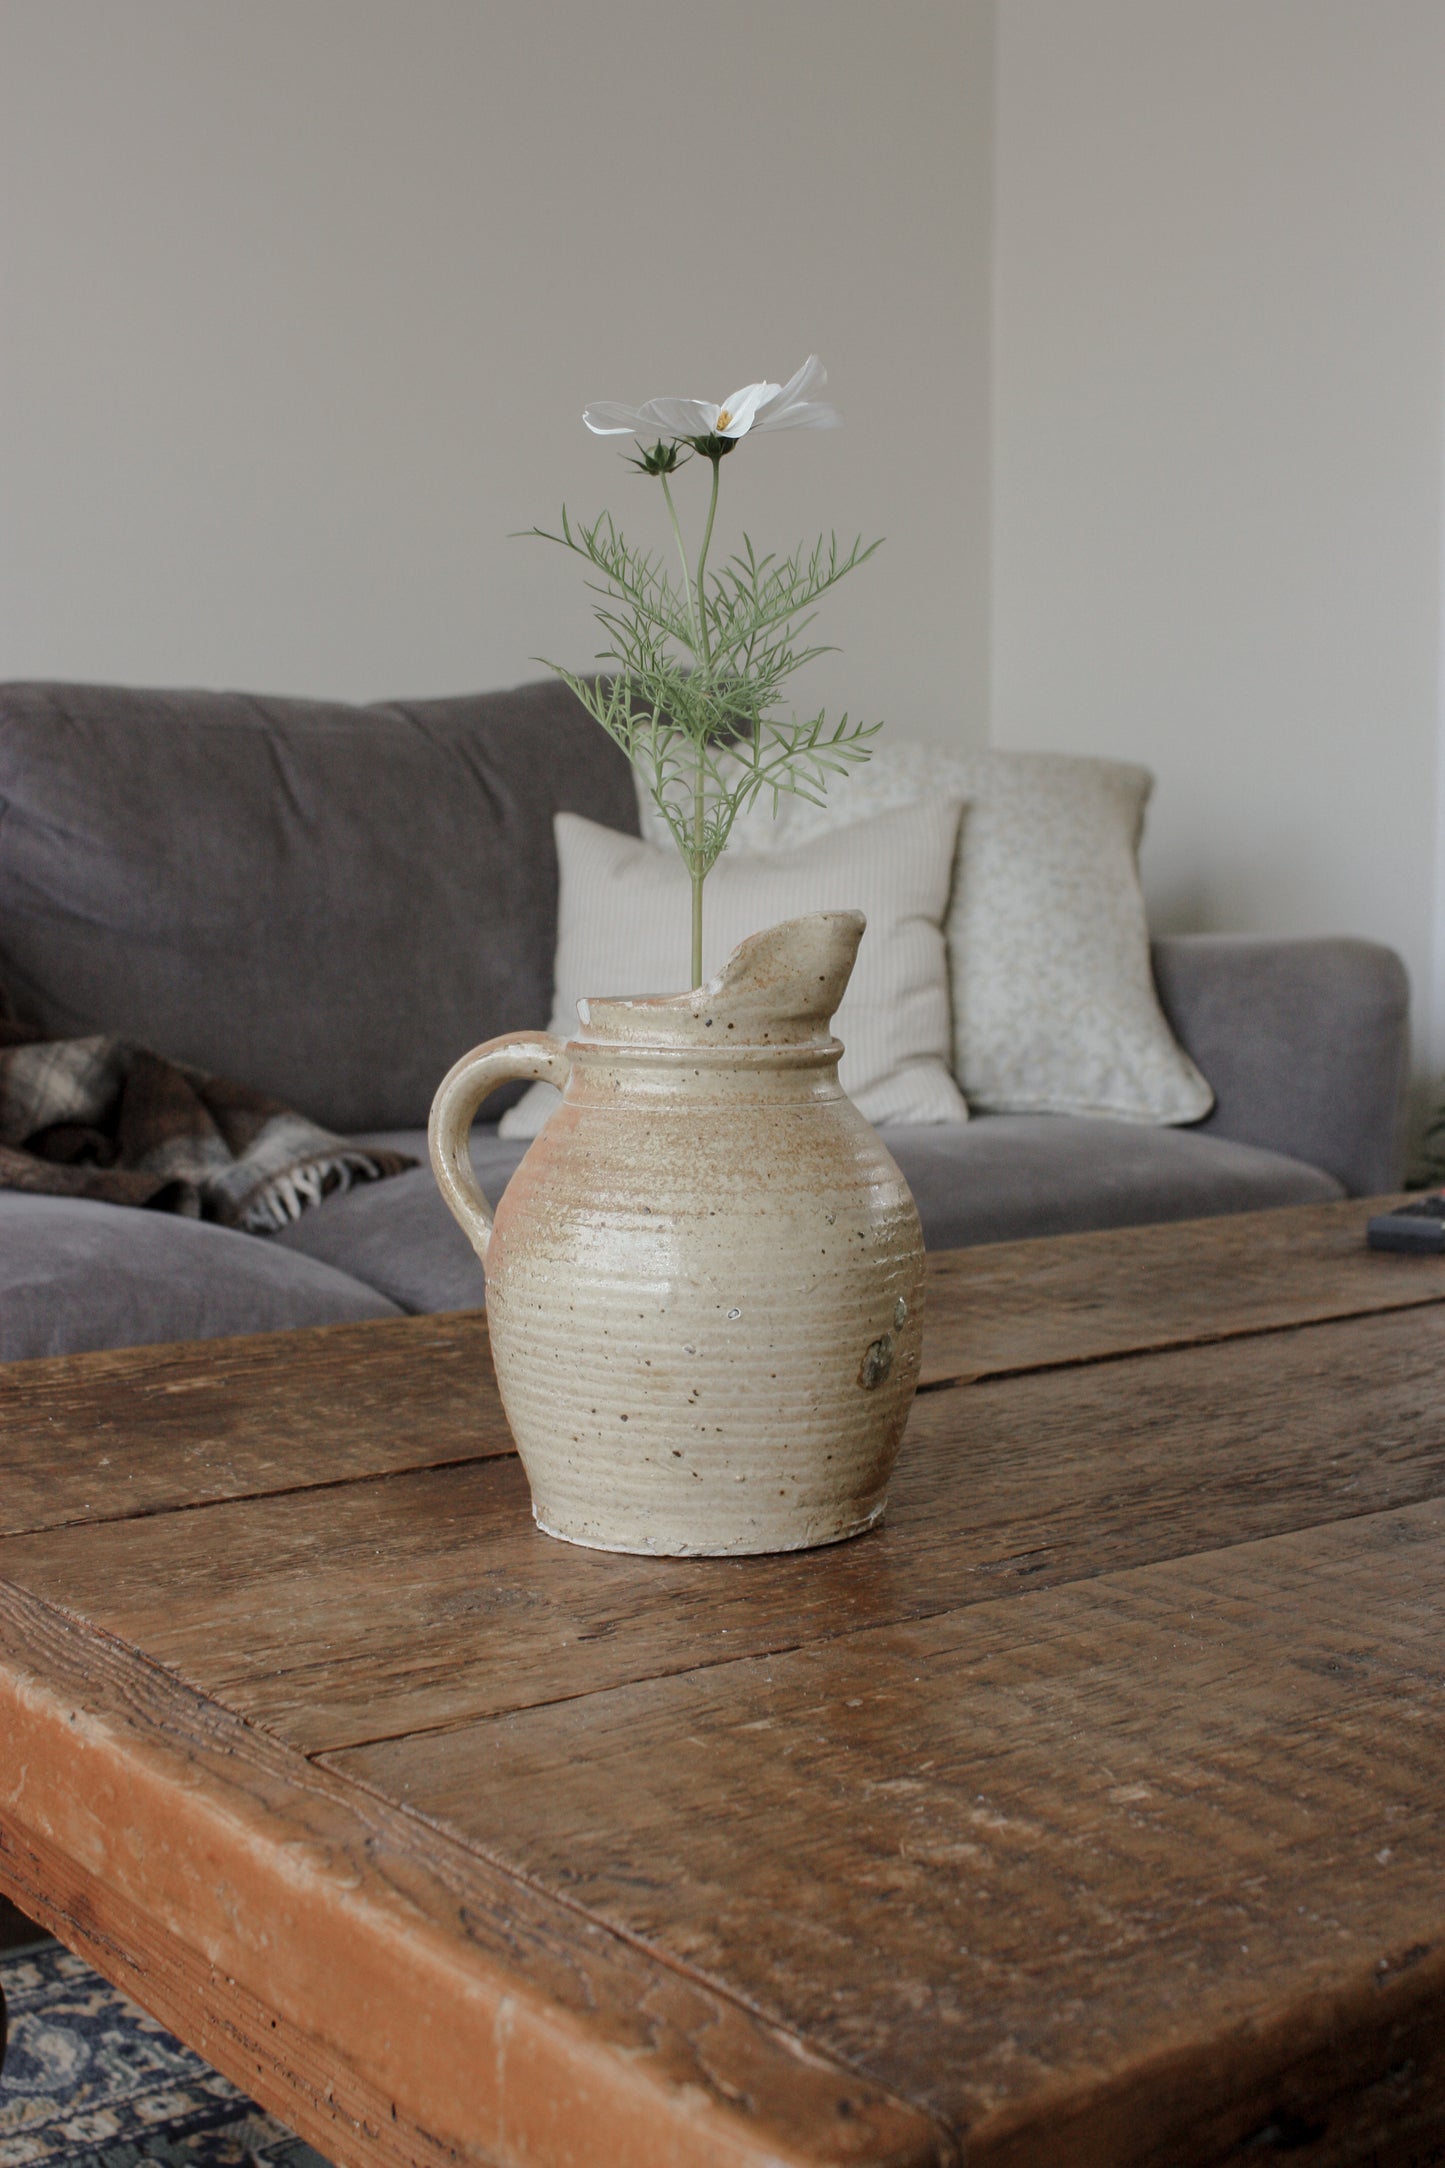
(1219, 386)
(300, 302)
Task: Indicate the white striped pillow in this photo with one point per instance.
(624, 925)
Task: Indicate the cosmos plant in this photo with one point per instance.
(695, 661)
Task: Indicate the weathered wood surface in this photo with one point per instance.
(1025, 1305)
(419, 1600)
(190, 1856)
(288, 2068)
(1044, 1845)
(148, 1429)
(950, 1839)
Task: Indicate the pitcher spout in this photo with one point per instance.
(778, 987)
(794, 973)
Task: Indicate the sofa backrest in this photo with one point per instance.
(329, 903)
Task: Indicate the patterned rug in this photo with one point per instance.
(91, 2081)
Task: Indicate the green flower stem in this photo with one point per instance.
(702, 564)
(699, 792)
(697, 610)
(692, 608)
(699, 629)
(698, 877)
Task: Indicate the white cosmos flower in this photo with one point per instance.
(756, 406)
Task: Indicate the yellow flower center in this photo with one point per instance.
(723, 419)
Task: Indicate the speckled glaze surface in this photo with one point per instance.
(705, 1280)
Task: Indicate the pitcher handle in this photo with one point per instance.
(538, 1055)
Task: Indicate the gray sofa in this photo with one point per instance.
(331, 903)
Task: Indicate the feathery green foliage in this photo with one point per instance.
(693, 670)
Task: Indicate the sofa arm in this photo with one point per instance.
(1306, 1044)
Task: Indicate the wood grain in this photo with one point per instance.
(286, 2068)
(402, 1604)
(1056, 1869)
(1012, 1306)
(1092, 1812)
(132, 1431)
(145, 1430)
(500, 2024)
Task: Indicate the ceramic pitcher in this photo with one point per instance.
(704, 1282)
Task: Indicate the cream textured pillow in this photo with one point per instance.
(623, 927)
(1054, 1008)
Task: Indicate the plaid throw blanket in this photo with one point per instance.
(102, 1118)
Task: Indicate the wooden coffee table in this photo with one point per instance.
(1090, 1812)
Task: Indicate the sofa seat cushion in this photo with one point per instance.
(76, 1275)
(1008, 1176)
(996, 1179)
(406, 1243)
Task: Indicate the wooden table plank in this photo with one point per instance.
(151, 1429)
(1011, 1306)
(391, 1606)
(1066, 1870)
(211, 1871)
(145, 1430)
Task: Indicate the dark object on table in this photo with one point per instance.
(1418, 1226)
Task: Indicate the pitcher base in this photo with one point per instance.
(743, 1543)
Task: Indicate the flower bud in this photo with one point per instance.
(662, 459)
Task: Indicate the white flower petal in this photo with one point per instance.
(810, 414)
(737, 400)
(679, 417)
(792, 409)
(740, 407)
(811, 377)
(609, 418)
